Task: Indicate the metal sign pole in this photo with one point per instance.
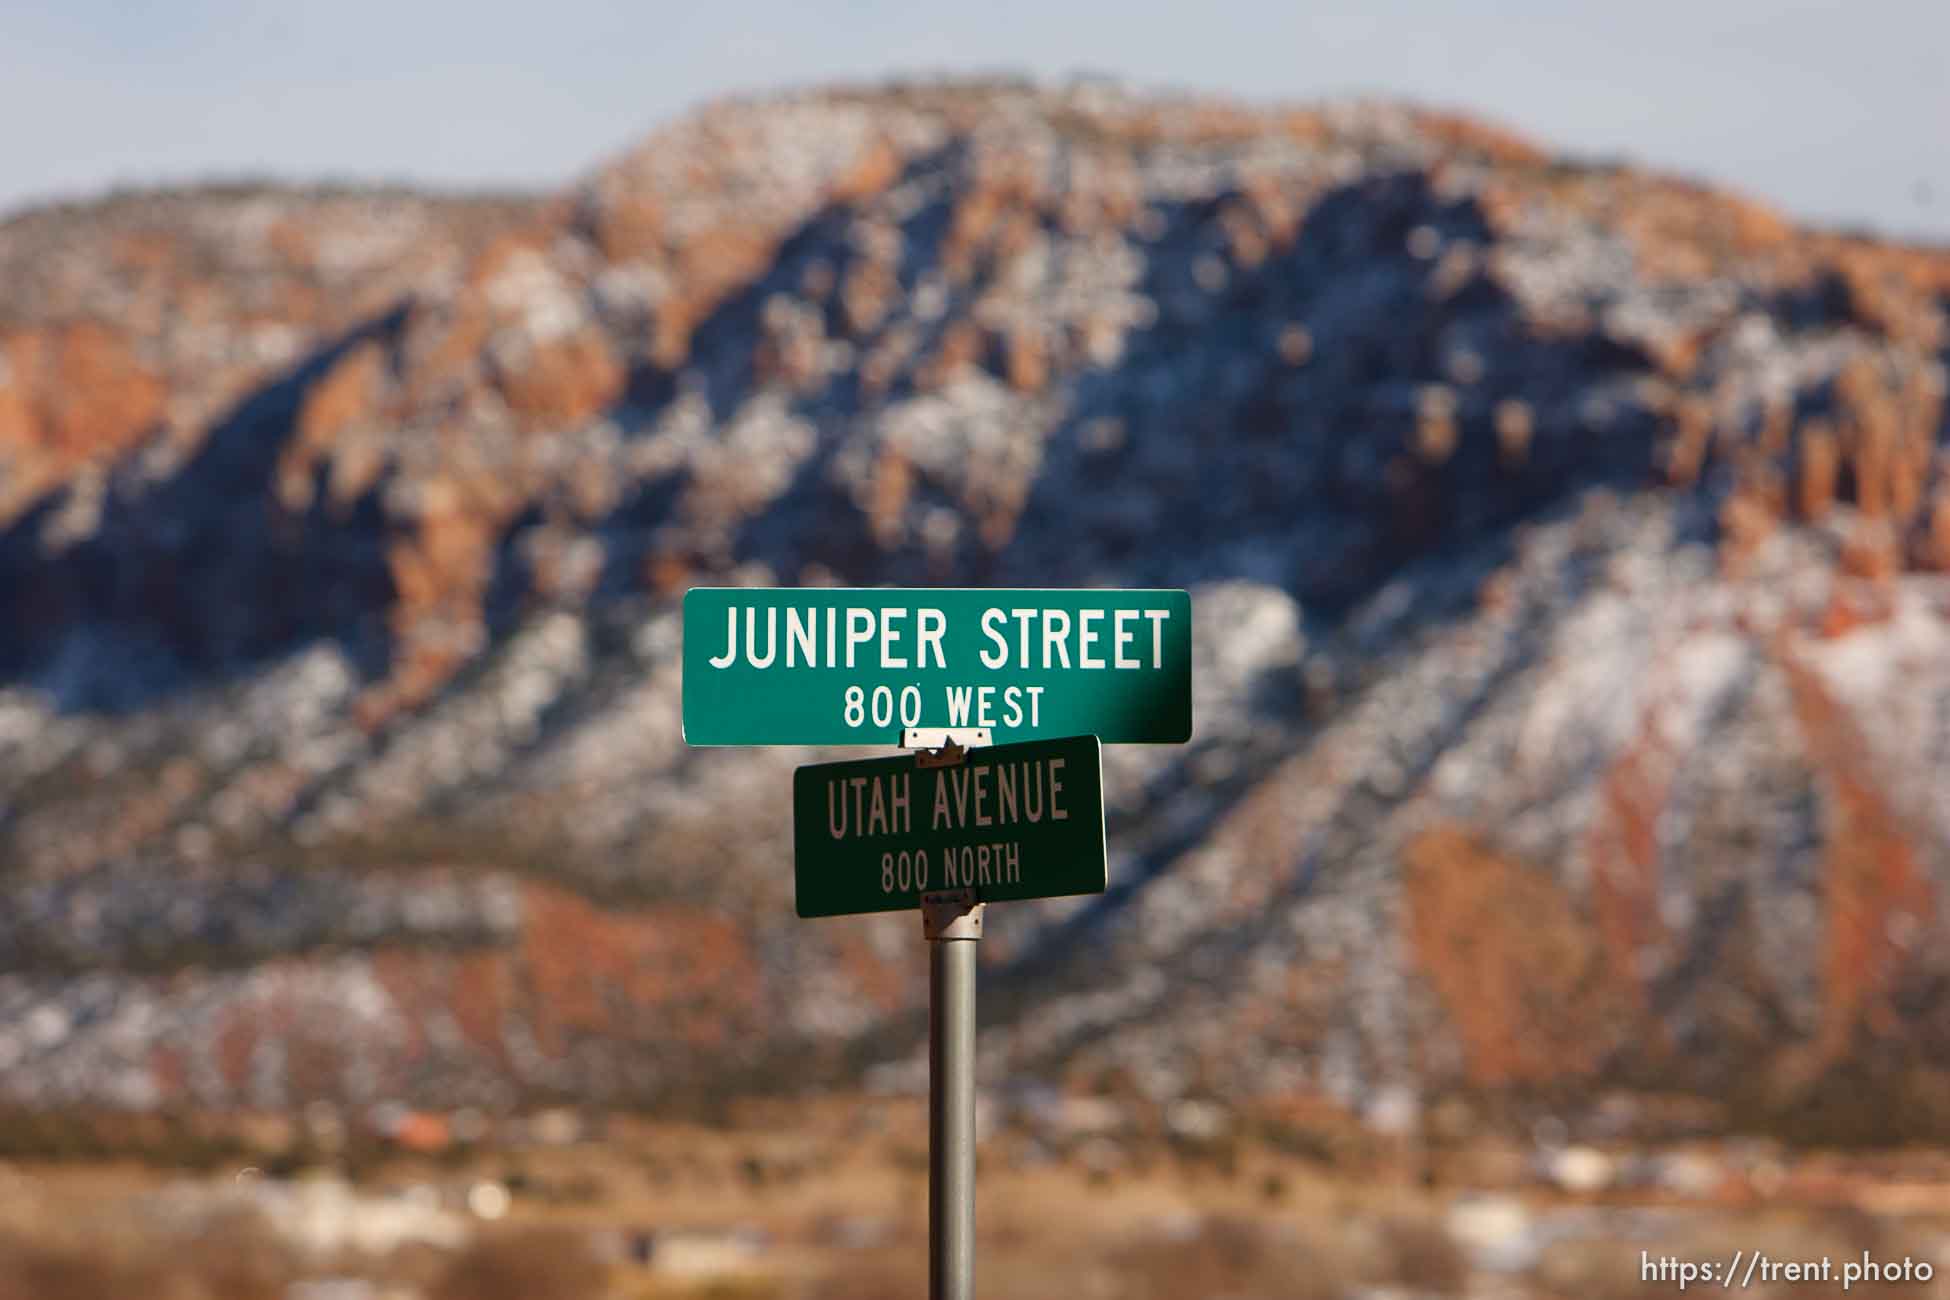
(952, 927)
(951, 922)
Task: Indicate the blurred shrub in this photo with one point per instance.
(166, 1141)
(1231, 1256)
(234, 1258)
(1421, 1256)
(741, 1288)
(31, 1271)
(238, 1258)
(535, 1264)
(879, 1277)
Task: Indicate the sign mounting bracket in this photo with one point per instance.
(951, 914)
(941, 737)
(943, 746)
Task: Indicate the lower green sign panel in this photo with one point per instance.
(1011, 821)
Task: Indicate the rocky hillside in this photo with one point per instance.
(1567, 546)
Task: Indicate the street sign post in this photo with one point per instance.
(856, 666)
(1012, 821)
(951, 927)
(942, 828)
(949, 830)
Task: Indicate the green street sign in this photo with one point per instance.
(856, 666)
(1010, 821)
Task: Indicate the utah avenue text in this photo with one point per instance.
(978, 796)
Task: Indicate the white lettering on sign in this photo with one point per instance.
(999, 794)
(1157, 617)
(890, 622)
(1056, 636)
(801, 626)
(859, 631)
(975, 796)
(974, 706)
(1088, 637)
(930, 626)
(863, 805)
(903, 871)
(979, 796)
(855, 636)
(991, 617)
(969, 865)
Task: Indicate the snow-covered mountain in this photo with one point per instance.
(1566, 545)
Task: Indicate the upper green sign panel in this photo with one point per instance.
(854, 666)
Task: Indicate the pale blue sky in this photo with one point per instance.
(1836, 111)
